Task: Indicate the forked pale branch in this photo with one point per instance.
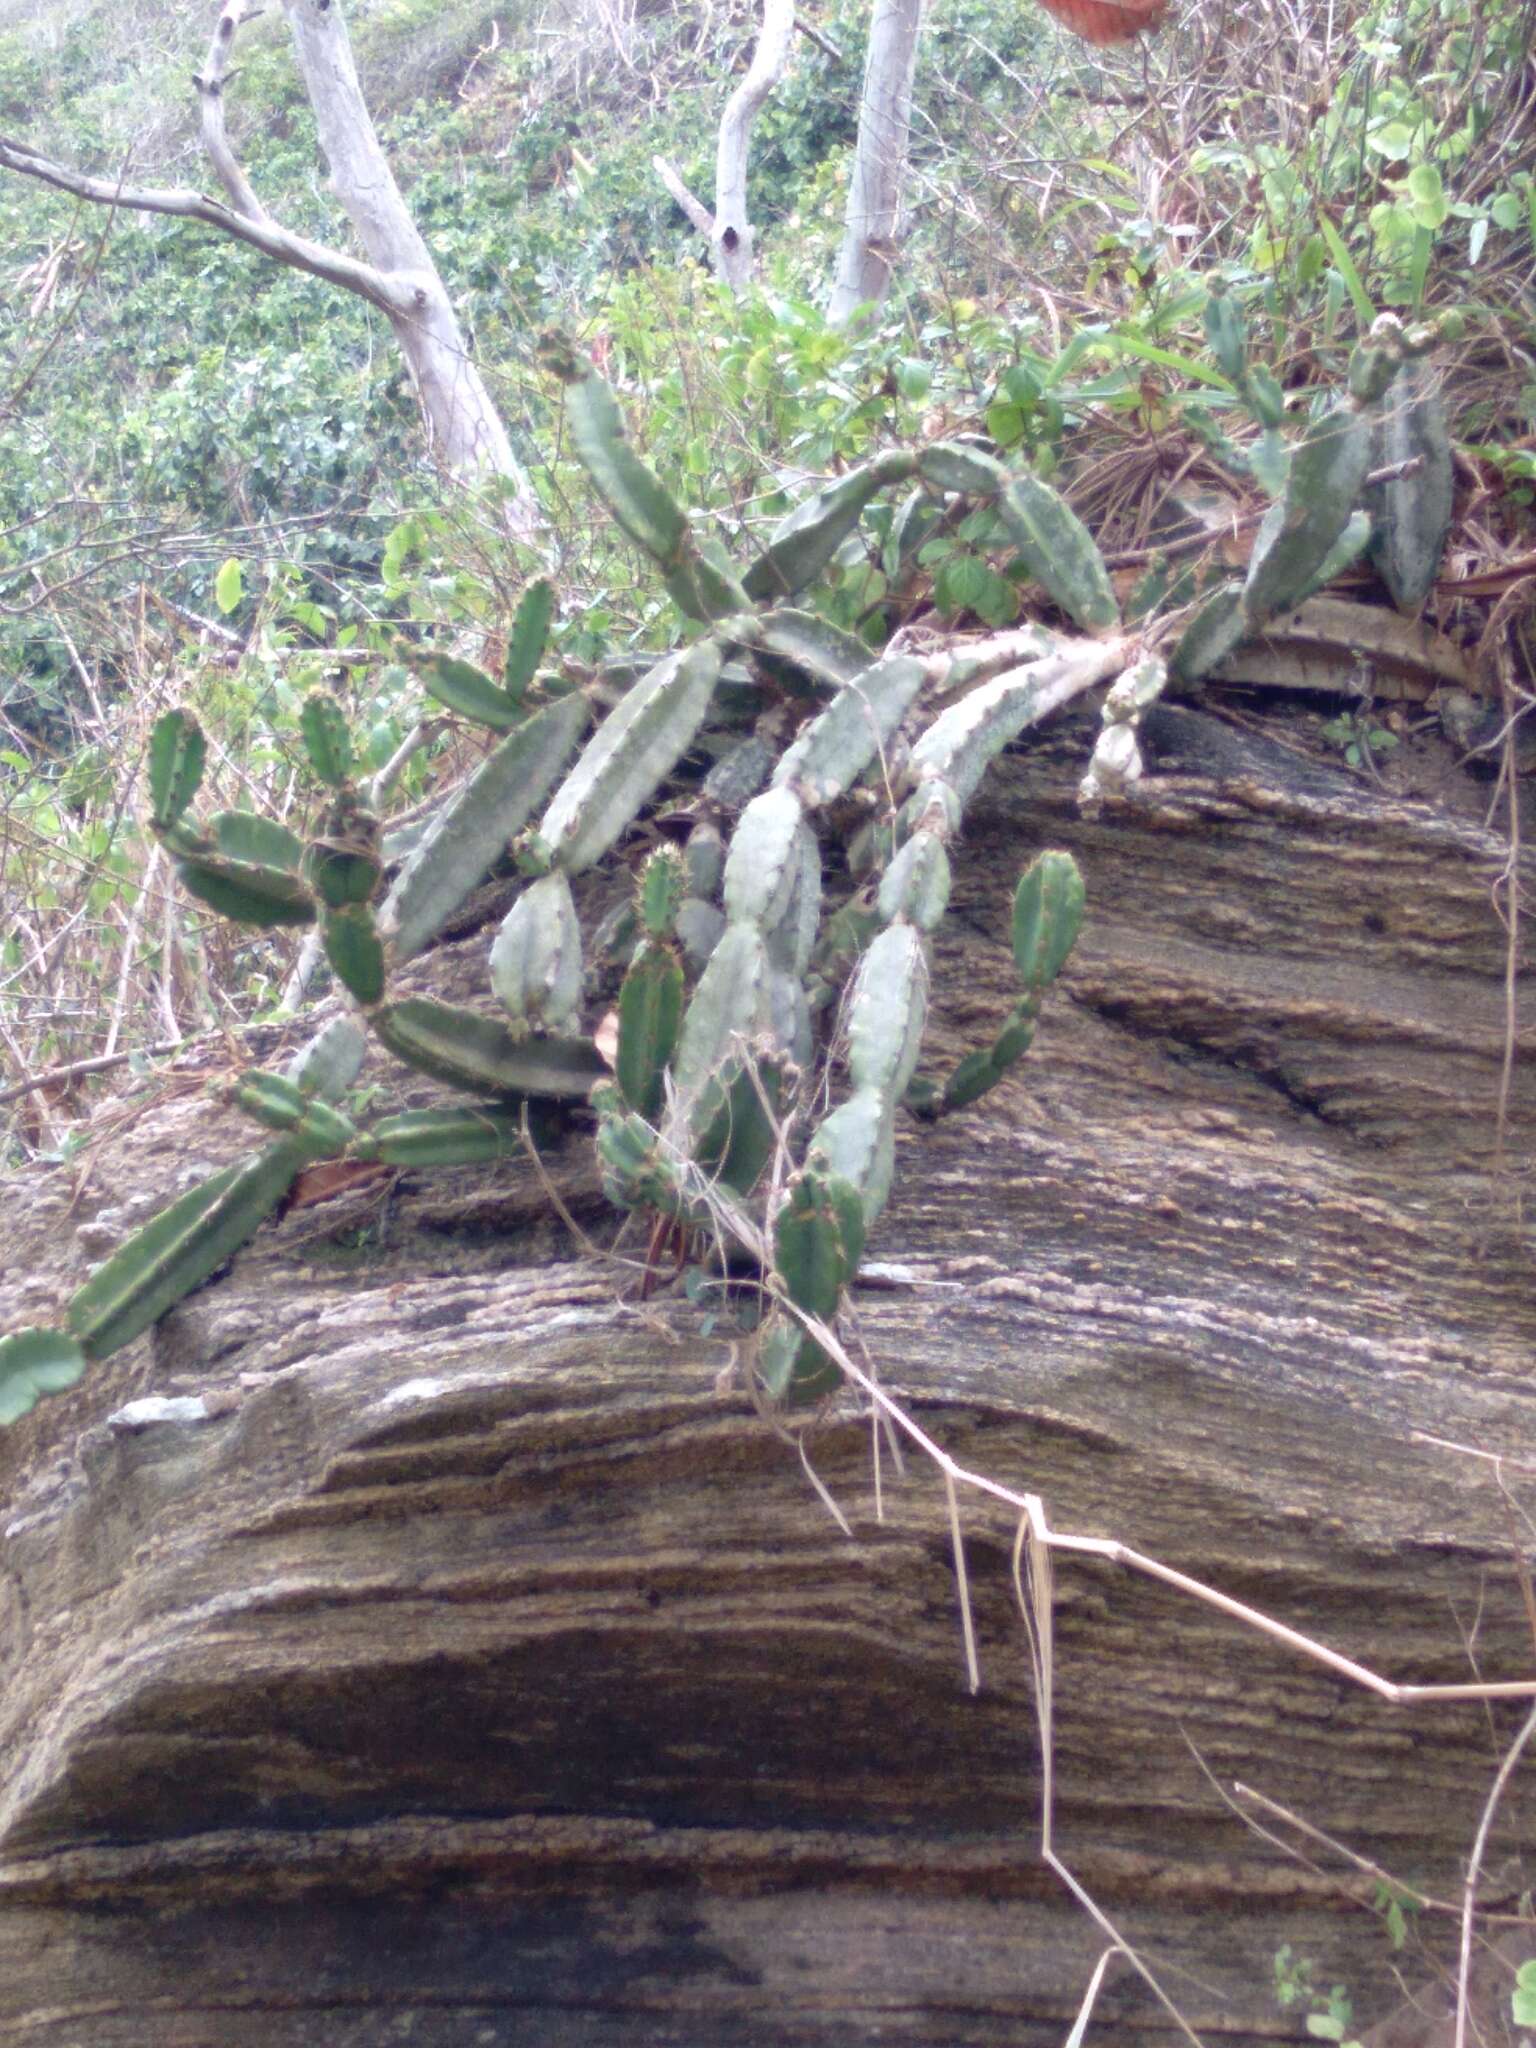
(281, 244)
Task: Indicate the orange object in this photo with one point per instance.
(1108, 21)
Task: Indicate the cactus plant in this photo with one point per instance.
(737, 991)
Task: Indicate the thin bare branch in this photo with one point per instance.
(1475, 1869)
(696, 211)
(393, 296)
(211, 83)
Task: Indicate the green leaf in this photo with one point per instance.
(1506, 211)
(1343, 263)
(35, 1362)
(1426, 192)
(959, 583)
(914, 378)
(1005, 423)
(229, 586)
(1311, 261)
(1393, 140)
(1168, 359)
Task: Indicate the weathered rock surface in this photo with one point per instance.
(411, 1643)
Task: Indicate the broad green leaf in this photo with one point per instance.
(229, 586)
(1393, 140)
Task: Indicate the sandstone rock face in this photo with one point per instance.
(413, 1642)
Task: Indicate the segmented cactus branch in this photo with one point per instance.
(745, 995)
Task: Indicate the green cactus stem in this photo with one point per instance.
(1048, 909)
(730, 1007)
(915, 887)
(247, 892)
(260, 842)
(355, 951)
(963, 741)
(177, 753)
(704, 585)
(331, 1062)
(536, 958)
(951, 466)
(1322, 490)
(818, 1242)
(835, 749)
(1211, 634)
(650, 1010)
(342, 863)
(469, 691)
(457, 854)
(1047, 918)
(632, 750)
(1411, 514)
(856, 1143)
(667, 875)
(1059, 552)
(482, 1055)
(323, 724)
(628, 486)
(825, 652)
(736, 1116)
(275, 1101)
(887, 1012)
(442, 1137)
(528, 638)
(806, 541)
(763, 865)
(162, 1263)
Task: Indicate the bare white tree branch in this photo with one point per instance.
(279, 243)
(211, 82)
(868, 252)
(728, 229)
(733, 231)
(463, 424)
(695, 209)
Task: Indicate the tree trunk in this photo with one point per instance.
(734, 240)
(728, 229)
(400, 277)
(868, 250)
(467, 432)
(440, 1654)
